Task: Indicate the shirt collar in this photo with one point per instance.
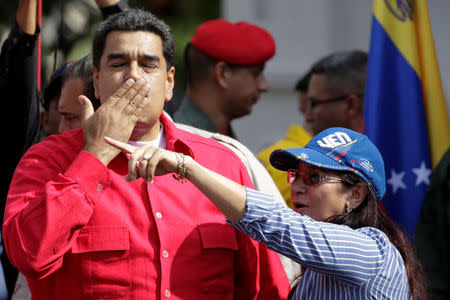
(176, 140)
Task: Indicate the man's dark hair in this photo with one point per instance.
(134, 20)
(302, 84)
(345, 71)
(82, 69)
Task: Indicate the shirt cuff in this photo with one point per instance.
(91, 174)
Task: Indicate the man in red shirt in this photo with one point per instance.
(78, 230)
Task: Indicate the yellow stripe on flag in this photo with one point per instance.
(435, 109)
(402, 33)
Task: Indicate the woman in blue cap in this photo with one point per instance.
(348, 248)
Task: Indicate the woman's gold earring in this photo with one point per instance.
(349, 209)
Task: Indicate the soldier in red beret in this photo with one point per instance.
(224, 66)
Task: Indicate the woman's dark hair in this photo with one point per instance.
(134, 20)
(369, 214)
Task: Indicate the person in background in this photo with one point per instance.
(430, 240)
(130, 240)
(331, 94)
(348, 248)
(224, 65)
(296, 136)
(77, 80)
(18, 86)
(336, 91)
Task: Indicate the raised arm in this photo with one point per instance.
(26, 16)
(18, 87)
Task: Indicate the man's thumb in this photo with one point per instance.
(87, 110)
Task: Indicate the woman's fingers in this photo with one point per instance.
(146, 161)
(120, 145)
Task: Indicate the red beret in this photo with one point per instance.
(238, 43)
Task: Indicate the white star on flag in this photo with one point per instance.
(396, 181)
(423, 174)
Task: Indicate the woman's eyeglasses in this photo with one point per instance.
(310, 178)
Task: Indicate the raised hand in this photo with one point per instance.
(146, 161)
(115, 118)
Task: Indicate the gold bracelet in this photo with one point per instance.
(181, 168)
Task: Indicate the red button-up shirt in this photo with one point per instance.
(78, 230)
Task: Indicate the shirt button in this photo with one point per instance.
(158, 215)
(165, 253)
(167, 293)
(99, 187)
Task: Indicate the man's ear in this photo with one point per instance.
(96, 83)
(222, 74)
(170, 83)
(355, 105)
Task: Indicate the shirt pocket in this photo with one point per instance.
(104, 261)
(219, 246)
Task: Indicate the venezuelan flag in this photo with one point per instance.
(405, 112)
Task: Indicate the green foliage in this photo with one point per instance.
(182, 15)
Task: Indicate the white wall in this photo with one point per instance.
(305, 31)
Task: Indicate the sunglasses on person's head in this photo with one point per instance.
(312, 178)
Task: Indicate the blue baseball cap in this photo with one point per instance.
(339, 149)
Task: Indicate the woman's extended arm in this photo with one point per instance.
(149, 161)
